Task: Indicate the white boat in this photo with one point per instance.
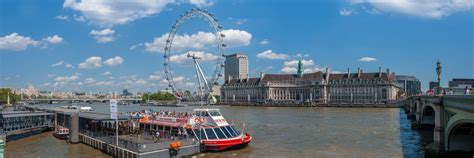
(86, 108)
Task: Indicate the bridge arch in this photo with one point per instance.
(428, 115)
(459, 134)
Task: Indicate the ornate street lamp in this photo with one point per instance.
(438, 71)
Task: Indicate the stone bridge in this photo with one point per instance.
(451, 117)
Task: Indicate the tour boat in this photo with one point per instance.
(61, 133)
(207, 125)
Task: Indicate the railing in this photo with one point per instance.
(140, 143)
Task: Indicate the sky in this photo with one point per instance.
(110, 45)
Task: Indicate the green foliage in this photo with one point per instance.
(160, 96)
(4, 92)
(218, 98)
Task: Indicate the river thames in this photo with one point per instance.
(277, 132)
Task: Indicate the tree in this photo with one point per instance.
(5, 92)
(159, 96)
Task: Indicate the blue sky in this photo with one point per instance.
(110, 45)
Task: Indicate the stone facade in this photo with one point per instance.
(318, 87)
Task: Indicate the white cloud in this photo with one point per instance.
(108, 13)
(105, 83)
(200, 41)
(367, 59)
(91, 62)
(201, 3)
(103, 36)
(294, 63)
(16, 42)
(53, 39)
(107, 73)
(79, 18)
(133, 47)
(241, 21)
(264, 42)
(141, 81)
(432, 9)
(288, 70)
(268, 54)
(183, 58)
(299, 55)
(308, 66)
(69, 66)
(114, 61)
(59, 63)
(154, 77)
(345, 12)
(62, 17)
(66, 78)
(89, 80)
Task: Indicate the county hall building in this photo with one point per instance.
(315, 88)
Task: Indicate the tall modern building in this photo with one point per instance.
(410, 84)
(236, 67)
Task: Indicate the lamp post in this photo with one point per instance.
(438, 71)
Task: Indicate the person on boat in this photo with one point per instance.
(157, 135)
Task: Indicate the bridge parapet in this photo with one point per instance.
(449, 116)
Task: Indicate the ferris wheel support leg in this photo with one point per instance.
(199, 81)
(202, 75)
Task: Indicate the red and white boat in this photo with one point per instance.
(61, 133)
(207, 125)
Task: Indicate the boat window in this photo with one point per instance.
(199, 134)
(231, 131)
(210, 134)
(236, 131)
(214, 113)
(219, 133)
(226, 132)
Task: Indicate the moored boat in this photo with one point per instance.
(61, 133)
(206, 125)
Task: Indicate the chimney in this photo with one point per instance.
(380, 71)
(358, 72)
(327, 74)
(388, 72)
(348, 73)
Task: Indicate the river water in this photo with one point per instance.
(277, 132)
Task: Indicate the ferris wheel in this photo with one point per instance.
(206, 79)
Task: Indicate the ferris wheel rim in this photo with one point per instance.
(217, 31)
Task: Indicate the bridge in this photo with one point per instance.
(450, 117)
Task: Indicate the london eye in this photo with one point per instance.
(207, 72)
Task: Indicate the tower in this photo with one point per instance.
(236, 67)
(300, 69)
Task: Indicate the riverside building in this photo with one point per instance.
(313, 88)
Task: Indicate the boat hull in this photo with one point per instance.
(61, 136)
(225, 144)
